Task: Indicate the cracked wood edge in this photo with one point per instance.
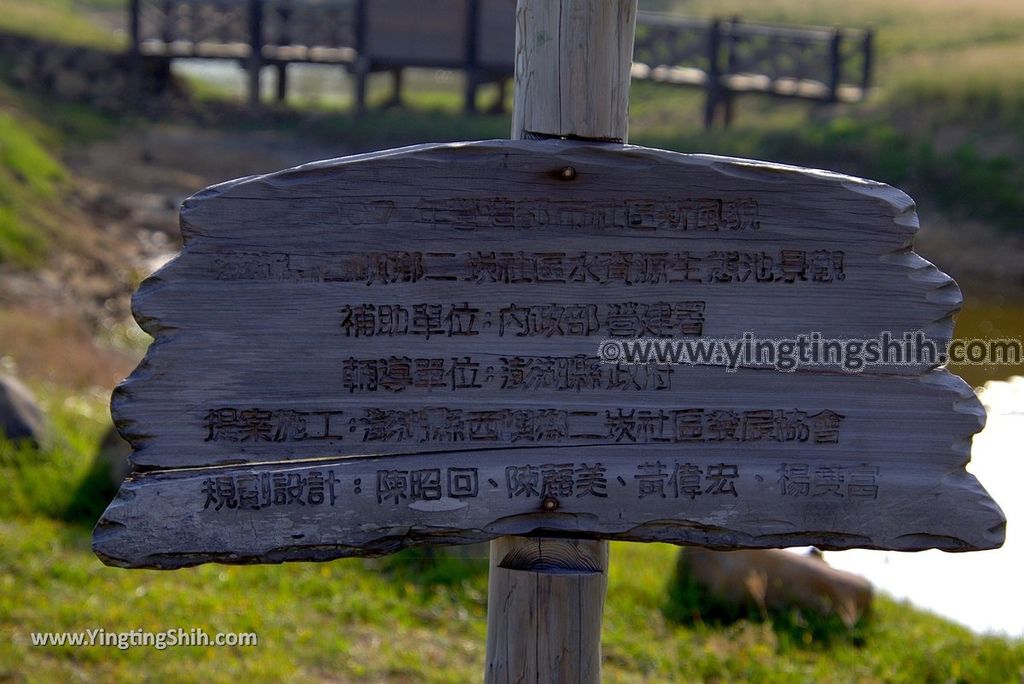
(157, 519)
(219, 214)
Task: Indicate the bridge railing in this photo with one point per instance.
(725, 58)
(728, 58)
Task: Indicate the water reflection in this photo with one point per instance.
(981, 590)
(989, 315)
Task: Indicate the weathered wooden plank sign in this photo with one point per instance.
(401, 348)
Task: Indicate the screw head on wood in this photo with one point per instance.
(549, 504)
(568, 173)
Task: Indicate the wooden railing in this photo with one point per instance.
(728, 58)
(725, 58)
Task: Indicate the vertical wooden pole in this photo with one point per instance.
(572, 69)
(361, 68)
(545, 600)
(546, 594)
(396, 88)
(167, 30)
(282, 81)
(728, 96)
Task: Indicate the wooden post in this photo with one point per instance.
(284, 15)
(167, 30)
(361, 67)
(728, 96)
(572, 69)
(282, 81)
(396, 88)
(545, 600)
(546, 594)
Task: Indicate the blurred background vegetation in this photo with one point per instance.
(87, 207)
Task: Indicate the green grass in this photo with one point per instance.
(29, 180)
(417, 616)
(34, 183)
(58, 481)
(375, 620)
(64, 21)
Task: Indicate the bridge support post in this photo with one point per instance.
(282, 81)
(254, 65)
(713, 88)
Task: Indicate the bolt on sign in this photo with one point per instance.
(401, 348)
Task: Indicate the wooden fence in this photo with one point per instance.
(725, 58)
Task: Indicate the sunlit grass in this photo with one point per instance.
(59, 20)
(29, 178)
(419, 616)
(377, 620)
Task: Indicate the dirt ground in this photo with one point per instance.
(69, 322)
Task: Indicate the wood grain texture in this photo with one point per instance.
(554, 636)
(221, 416)
(545, 597)
(898, 497)
(250, 381)
(572, 68)
(261, 310)
(739, 498)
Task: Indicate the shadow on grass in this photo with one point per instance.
(442, 566)
(52, 481)
(90, 498)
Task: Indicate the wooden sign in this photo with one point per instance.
(401, 348)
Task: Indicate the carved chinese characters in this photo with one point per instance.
(402, 348)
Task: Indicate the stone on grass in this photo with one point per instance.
(765, 580)
(21, 419)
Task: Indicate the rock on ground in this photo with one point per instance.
(774, 580)
(21, 418)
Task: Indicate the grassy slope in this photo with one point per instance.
(379, 620)
(35, 187)
(29, 180)
(59, 20)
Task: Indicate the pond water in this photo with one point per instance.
(981, 590)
